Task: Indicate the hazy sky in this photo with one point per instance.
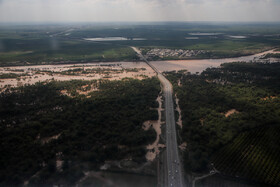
(138, 10)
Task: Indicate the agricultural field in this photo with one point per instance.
(253, 155)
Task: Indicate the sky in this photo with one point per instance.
(139, 10)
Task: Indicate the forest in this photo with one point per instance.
(253, 154)
(48, 138)
(220, 103)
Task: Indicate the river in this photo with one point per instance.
(194, 66)
(37, 73)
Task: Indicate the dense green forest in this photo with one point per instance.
(39, 127)
(222, 102)
(253, 154)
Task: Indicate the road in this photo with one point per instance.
(203, 177)
(174, 168)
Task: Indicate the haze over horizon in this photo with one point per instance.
(141, 10)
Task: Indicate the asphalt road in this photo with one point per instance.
(174, 167)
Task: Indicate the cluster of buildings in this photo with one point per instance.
(180, 53)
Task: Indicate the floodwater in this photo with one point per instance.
(106, 39)
(194, 66)
(154, 148)
(191, 38)
(112, 70)
(238, 37)
(178, 109)
(107, 70)
(205, 33)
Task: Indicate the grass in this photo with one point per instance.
(228, 45)
(49, 46)
(45, 50)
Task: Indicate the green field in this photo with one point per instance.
(45, 51)
(253, 155)
(44, 44)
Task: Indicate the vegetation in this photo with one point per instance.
(11, 75)
(45, 44)
(251, 89)
(43, 53)
(253, 155)
(40, 128)
(79, 71)
(272, 55)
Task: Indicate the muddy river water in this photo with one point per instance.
(110, 70)
(194, 66)
(28, 75)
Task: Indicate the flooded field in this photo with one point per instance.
(194, 66)
(205, 33)
(154, 148)
(27, 75)
(106, 39)
(237, 37)
(191, 38)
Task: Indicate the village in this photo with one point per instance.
(179, 53)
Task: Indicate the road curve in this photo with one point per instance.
(174, 168)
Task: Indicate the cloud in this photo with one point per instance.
(138, 10)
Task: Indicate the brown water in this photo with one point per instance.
(194, 66)
(178, 109)
(115, 71)
(154, 148)
(106, 39)
(36, 74)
